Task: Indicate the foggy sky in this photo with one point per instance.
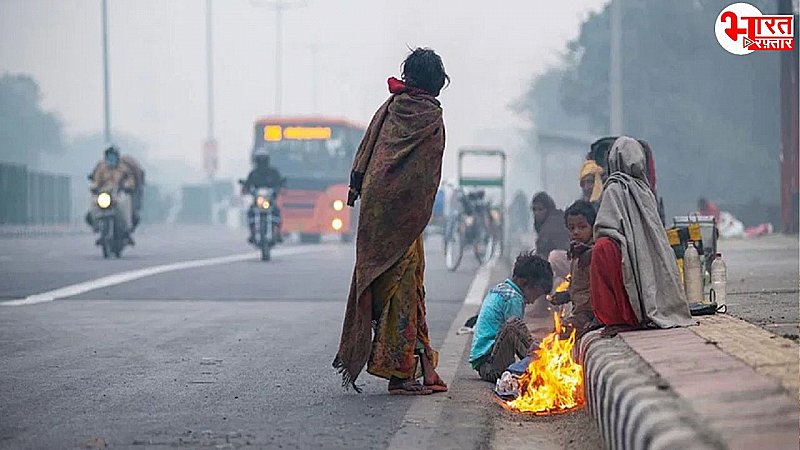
(491, 50)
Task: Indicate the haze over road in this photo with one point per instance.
(237, 352)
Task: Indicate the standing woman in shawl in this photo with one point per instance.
(395, 174)
(633, 275)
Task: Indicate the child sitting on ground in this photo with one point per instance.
(500, 334)
(579, 219)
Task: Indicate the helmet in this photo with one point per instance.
(261, 157)
(111, 155)
(111, 148)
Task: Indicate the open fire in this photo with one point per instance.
(553, 382)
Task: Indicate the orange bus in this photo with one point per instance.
(315, 155)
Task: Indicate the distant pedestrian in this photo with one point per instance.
(519, 218)
(707, 208)
(396, 173)
(634, 275)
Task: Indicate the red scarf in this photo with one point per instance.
(398, 87)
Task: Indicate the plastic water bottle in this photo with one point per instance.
(692, 274)
(719, 280)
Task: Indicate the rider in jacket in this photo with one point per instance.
(113, 173)
(266, 176)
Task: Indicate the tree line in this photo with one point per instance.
(711, 117)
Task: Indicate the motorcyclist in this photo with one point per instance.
(113, 173)
(262, 176)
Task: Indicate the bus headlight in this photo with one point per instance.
(337, 224)
(104, 200)
(338, 205)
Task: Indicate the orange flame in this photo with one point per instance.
(553, 381)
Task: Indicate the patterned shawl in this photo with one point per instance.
(396, 172)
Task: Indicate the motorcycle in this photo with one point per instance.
(109, 222)
(268, 219)
(473, 225)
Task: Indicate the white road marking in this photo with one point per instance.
(422, 417)
(479, 284)
(131, 275)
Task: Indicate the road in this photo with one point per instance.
(237, 354)
(231, 354)
(763, 282)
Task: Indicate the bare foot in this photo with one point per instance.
(430, 377)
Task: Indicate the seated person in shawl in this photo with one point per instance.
(633, 276)
(396, 173)
(500, 334)
(579, 218)
(547, 220)
(552, 242)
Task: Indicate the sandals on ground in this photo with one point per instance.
(408, 387)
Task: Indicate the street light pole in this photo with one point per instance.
(314, 52)
(615, 69)
(210, 150)
(209, 72)
(106, 99)
(279, 6)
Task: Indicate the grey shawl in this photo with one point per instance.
(628, 214)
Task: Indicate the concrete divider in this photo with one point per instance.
(29, 197)
(634, 408)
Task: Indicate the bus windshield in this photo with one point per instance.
(310, 159)
(303, 152)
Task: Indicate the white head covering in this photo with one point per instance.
(628, 214)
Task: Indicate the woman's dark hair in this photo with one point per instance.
(545, 200)
(534, 269)
(581, 208)
(423, 69)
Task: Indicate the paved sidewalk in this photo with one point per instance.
(747, 409)
(724, 383)
(770, 355)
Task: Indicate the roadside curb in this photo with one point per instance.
(681, 388)
(634, 408)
